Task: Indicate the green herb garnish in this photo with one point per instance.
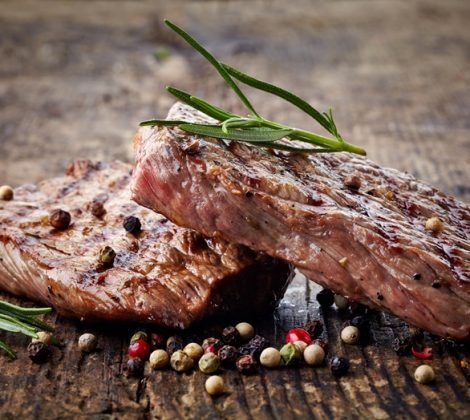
(21, 320)
(253, 128)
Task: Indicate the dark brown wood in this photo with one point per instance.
(76, 77)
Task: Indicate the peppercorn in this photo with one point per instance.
(301, 345)
(174, 343)
(209, 363)
(230, 335)
(211, 349)
(45, 337)
(339, 366)
(194, 351)
(38, 352)
(314, 355)
(6, 193)
(246, 331)
(424, 374)
(436, 284)
(132, 224)
(159, 359)
(106, 256)
(97, 209)
(157, 341)
(361, 323)
(401, 345)
(228, 355)
(417, 276)
(180, 361)
(214, 385)
(246, 364)
(314, 327)
(350, 334)
(140, 349)
(211, 341)
(87, 342)
(139, 335)
(434, 224)
(298, 334)
(270, 357)
(341, 302)
(60, 219)
(353, 182)
(135, 367)
(290, 354)
(254, 347)
(325, 297)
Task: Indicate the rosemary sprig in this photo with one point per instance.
(16, 319)
(253, 128)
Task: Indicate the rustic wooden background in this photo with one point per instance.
(77, 76)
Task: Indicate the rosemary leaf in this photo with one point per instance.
(170, 123)
(209, 57)
(8, 323)
(248, 135)
(284, 94)
(8, 350)
(24, 311)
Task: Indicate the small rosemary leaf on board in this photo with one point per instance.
(12, 325)
(284, 94)
(161, 122)
(217, 65)
(30, 320)
(249, 135)
(8, 350)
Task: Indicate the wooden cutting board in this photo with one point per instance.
(76, 77)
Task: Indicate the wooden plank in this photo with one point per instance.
(82, 74)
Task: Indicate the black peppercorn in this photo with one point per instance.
(228, 355)
(314, 327)
(436, 284)
(230, 335)
(135, 367)
(132, 224)
(60, 219)
(360, 322)
(211, 341)
(380, 296)
(246, 364)
(157, 341)
(254, 347)
(401, 345)
(339, 366)
(417, 276)
(97, 209)
(326, 297)
(174, 343)
(39, 352)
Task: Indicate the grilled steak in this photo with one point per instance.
(367, 242)
(164, 275)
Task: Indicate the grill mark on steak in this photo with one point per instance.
(165, 274)
(297, 208)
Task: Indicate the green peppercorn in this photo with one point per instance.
(139, 335)
(180, 361)
(209, 363)
(290, 354)
(106, 255)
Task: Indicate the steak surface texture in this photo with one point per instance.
(166, 275)
(367, 242)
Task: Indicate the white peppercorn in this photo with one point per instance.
(424, 374)
(209, 363)
(6, 193)
(270, 357)
(350, 334)
(180, 361)
(246, 331)
(44, 337)
(434, 224)
(214, 385)
(314, 355)
(301, 345)
(87, 342)
(194, 351)
(159, 359)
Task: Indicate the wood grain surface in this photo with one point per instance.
(77, 76)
